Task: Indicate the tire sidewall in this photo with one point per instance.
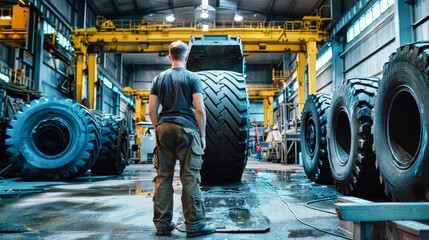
(341, 100)
(22, 136)
(406, 74)
(310, 111)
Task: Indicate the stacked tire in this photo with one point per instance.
(53, 139)
(227, 103)
(115, 145)
(313, 138)
(401, 124)
(350, 140)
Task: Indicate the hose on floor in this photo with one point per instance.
(307, 204)
(300, 220)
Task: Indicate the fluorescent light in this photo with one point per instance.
(204, 14)
(238, 17)
(170, 18)
(205, 3)
(205, 27)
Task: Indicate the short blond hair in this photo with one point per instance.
(178, 50)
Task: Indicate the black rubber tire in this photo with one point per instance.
(313, 138)
(115, 145)
(350, 140)
(402, 124)
(227, 133)
(52, 139)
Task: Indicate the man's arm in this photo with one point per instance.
(200, 115)
(153, 109)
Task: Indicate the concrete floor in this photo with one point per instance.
(120, 207)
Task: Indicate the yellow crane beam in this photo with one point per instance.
(13, 25)
(152, 36)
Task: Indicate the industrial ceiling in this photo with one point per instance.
(184, 10)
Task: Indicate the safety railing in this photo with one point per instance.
(16, 77)
(281, 76)
(122, 24)
(6, 13)
(258, 86)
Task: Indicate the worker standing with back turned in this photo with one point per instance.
(180, 133)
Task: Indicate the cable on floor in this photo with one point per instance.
(301, 221)
(307, 204)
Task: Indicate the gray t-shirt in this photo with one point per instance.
(174, 88)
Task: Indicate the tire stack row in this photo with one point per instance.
(372, 134)
(59, 139)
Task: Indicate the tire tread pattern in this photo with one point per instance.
(226, 102)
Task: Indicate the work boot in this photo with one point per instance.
(165, 232)
(204, 230)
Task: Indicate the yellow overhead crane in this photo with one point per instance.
(149, 36)
(140, 97)
(13, 25)
(267, 96)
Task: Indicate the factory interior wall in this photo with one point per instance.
(421, 9)
(141, 76)
(256, 111)
(324, 77)
(364, 56)
(54, 71)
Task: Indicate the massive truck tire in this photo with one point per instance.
(402, 124)
(313, 138)
(350, 140)
(227, 133)
(52, 139)
(115, 145)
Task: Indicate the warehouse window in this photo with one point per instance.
(4, 77)
(106, 82)
(61, 39)
(323, 58)
(281, 98)
(366, 19)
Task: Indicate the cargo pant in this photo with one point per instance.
(174, 141)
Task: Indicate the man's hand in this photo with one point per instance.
(203, 143)
(200, 115)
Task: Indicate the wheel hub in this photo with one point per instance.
(51, 137)
(310, 136)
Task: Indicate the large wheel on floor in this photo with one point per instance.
(350, 140)
(313, 138)
(52, 139)
(402, 124)
(227, 133)
(115, 145)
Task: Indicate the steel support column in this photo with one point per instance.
(271, 110)
(337, 63)
(300, 69)
(265, 103)
(92, 79)
(311, 56)
(403, 23)
(80, 76)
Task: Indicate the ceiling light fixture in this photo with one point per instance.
(204, 14)
(238, 17)
(170, 18)
(205, 27)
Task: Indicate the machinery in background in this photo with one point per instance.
(147, 142)
(272, 148)
(140, 98)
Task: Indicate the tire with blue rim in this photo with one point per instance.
(53, 139)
